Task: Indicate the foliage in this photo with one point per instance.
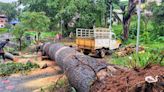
(90, 12)
(3, 30)
(152, 55)
(145, 28)
(35, 21)
(45, 36)
(8, 9)
(117, 29)
(10, 68)
(19, 30)
(158, 16)
(157, 20)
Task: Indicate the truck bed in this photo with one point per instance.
(91, 43)
(85, 43)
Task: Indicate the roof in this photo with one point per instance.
(3, 16)
(15, 21)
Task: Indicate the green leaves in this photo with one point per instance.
(35, 21)
(90, 11)
(10, 68)
(9, 9)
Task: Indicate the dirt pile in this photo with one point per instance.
(132, 81)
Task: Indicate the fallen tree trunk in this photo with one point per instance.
(81, 70)
(9, 56)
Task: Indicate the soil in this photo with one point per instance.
(132, 81)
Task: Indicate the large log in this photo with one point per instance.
(9, 56)
(81, 70)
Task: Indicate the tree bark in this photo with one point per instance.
(81, 70)
(126, 23)
(39, 33)
(127, 17)
(20, 44)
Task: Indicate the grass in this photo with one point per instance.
(153, 55)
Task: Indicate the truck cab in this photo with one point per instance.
(97, 41)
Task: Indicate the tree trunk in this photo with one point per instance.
(126, 23)
(39, 33)
(81, 70)
(127, 17)
(20, 44)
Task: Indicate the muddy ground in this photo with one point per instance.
(132, 81)
(123, 81)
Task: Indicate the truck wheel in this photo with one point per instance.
(86, 53)
(109, 52)
(102, 53)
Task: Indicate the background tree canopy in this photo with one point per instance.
(90, 12)
(9, 9)
(70, 14)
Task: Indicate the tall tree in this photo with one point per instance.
(157, 18)
(89, 12)
(127, 13)
(35, 21)
(9, 9)
(18, 32)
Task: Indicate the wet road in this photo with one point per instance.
(28, 83)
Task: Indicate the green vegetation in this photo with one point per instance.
(35, 21)
(43, 19)
(153, 55)
(44, 35)
(10, 68)
(9, 9)
(3, 30)
(19, 33)
(31, 21)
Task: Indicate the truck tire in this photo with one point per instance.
(109, 52)
(102, 53)
(86, 53)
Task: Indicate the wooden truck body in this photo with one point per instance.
(97, 40)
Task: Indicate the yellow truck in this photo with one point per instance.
(97, 41)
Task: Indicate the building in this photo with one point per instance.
(3, 21)
(147, 2)
(157, 1)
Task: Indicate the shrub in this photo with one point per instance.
(10, 68)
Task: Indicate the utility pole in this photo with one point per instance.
(110, 27)
(110, 20)
(138, 28)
